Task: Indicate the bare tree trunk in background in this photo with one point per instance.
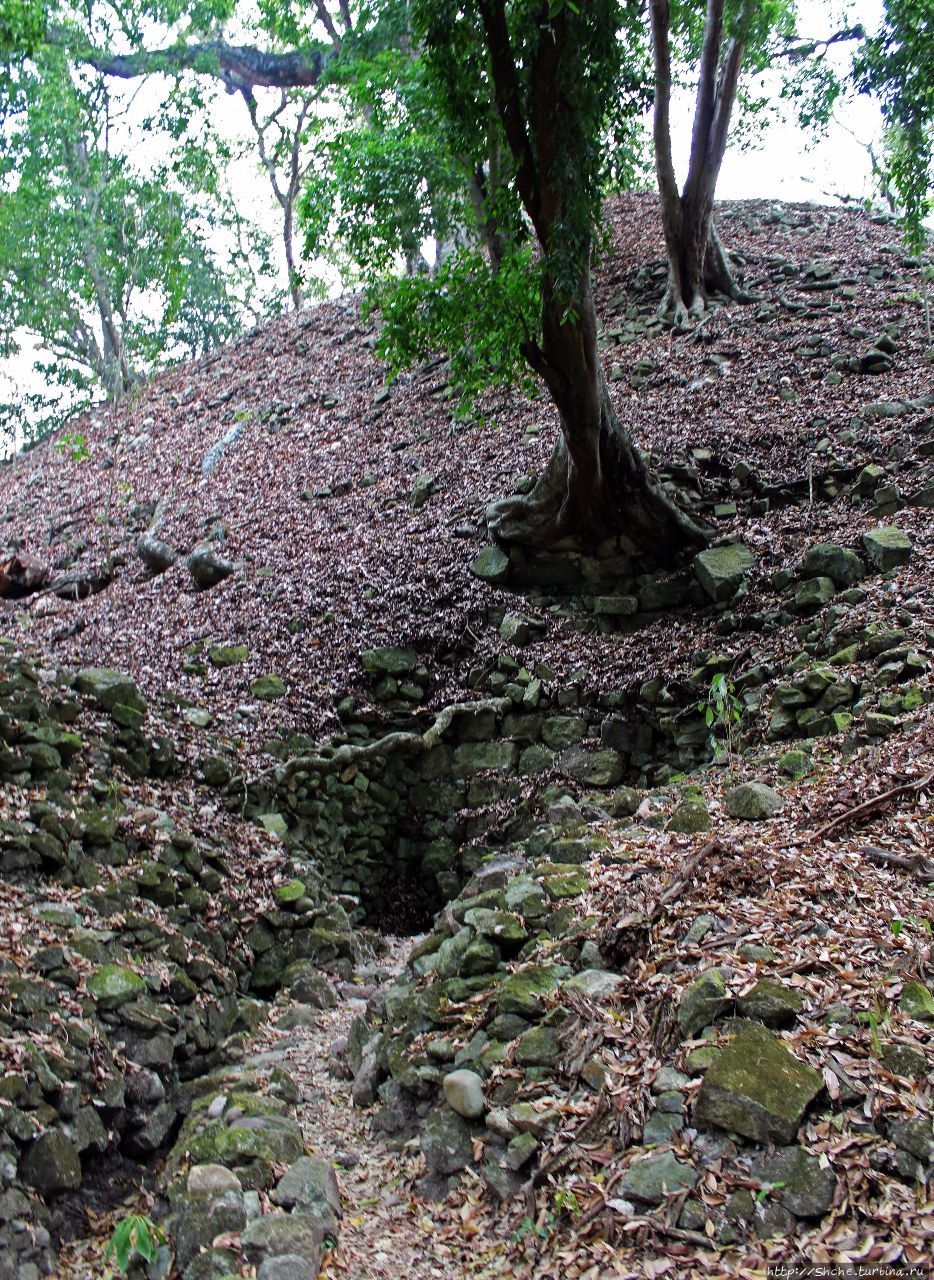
(111, 358)
(697, 261)
(286, 193)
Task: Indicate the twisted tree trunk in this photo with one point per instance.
(596, 483)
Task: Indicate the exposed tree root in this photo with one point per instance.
(329, 760)
(875, 802)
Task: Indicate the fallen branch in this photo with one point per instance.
(631, 935)
(917, 866)
(874, 803)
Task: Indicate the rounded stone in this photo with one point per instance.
(752, 801)
(463, 1092)
(211, 1180)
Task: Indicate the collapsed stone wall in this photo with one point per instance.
(423, 818)
(116, 1002)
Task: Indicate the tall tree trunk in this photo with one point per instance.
(697, 262)
(596, 483)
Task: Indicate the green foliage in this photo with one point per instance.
(75, 444)
(109, 269)
(480, 318)
(722, 709)
(897, 66)
(571, 58)
(135, 1238)
(566, 1201)
(764, 1192)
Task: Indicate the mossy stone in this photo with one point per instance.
(722, 570)
(828, 560)
(689, 817)
(286, 895)
(51, 1163)
(652, 1178)
(771, 1002)
(526, 992)
(268, 687)
(109, 688)
(491, 565)
(917, 1002)
(701, 1002)
(804, 1185)
(887, 547)
(757, 1088)
(538, 1047)
(752, 802)
(794, 764)
(228, 655)
(114, 985)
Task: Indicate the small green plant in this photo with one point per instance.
(764, 1192)
(875, 1018)
(918, 925)
(75, 444)
(527, 1227)
(135, 1238)
(565, 1199)
(721, 708)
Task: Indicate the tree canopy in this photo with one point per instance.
(451, 157)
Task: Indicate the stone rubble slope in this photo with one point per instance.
(266, 688)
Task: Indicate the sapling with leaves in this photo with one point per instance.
(136, 1239)
(722, 710)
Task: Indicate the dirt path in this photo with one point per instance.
(386, 1231)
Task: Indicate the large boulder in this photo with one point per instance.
(887, 547)
(389, 660)
(21, 575)
(309, 1183)
(109, 689)
(276, 1235)
(827, 560)
(757, 1088)
(446, 1141)
(155, 554)
(491, 565)
(51, 1163)
(113, 985)
(601, 768)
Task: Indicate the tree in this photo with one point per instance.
(107, 268)
(551, 73)
(897, 66)
(726, 40)
(697, 262)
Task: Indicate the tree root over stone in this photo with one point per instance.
(330, 759)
